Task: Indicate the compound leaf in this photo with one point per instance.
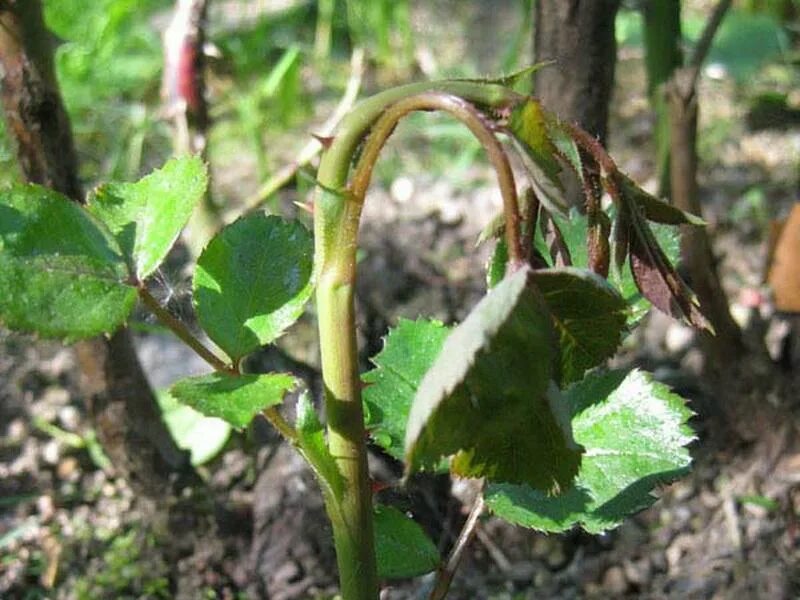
(634, 432)
(402, 548)
(252, 281)
(233, 398)
(62, 274)
(486, 400)
(146, 217)
(589, 316)
(408, 352)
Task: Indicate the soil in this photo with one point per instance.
(70, 528)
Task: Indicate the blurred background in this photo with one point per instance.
(275, 73)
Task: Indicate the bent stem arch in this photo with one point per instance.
(337, 213)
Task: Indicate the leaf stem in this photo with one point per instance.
(179, 329)
(477, 124)
(271, 414)
(337, 211)
(445, 575)
(276, 419)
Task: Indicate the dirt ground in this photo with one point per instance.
(70, 528)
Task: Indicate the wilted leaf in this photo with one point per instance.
(402, 548)
(486, 401)
(659, 282)
(236, 399)
(408, 352)
(252, 282)
(651, 207)
(61, 272)
(146, 217)
(634, 431)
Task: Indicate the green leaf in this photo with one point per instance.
(634, 431)
(496, 265)
(408, 352)
(528, 124)
(203, 437)
(573, 230)
(311, 442)
(402, 548)
(564, 144)
(146, 217)
(486, 399)
(234, 398)
(61, 273)
(252, 282)
(589, 316)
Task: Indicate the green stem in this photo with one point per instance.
(179, 329)
(187, 337)
(337, 210)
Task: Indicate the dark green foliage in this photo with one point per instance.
(252, 282)
(61, 272)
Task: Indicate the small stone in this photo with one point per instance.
(67, 469)
(614, 581)
(542, 546)
(16, 431)
(55, 395)
(678, 338)
(402, 189)
(638, 572)
(522, 572)
(556, 558)
(51, 452)
(46, 507)
(69, 417)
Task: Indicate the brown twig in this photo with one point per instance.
(703, 45)
(444, 577)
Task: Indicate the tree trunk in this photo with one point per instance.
(579, 36)
(696, 252)
(119, 399)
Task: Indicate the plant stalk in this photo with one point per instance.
(337, 210)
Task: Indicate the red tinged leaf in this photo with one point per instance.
(660, 283)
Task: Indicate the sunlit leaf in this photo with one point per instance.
(252, 282)
(408, 352)
(402, 548)
(236, 399)
(61, 272)
(486, 400)
(529, 125)
(203, 437)
(146, 217)
(635, 434)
